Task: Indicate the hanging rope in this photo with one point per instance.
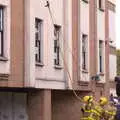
(50, 12)
(65, 64)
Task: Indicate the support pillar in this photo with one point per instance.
(39, 105)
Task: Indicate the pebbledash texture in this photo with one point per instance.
(53, 51)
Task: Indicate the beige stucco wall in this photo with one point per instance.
(29, 49)
(68, 36)
(112, 66)
(65, 106)
(112, 33)
(101, 36)
(84, 29)
(101, 25)
(46, 76)
(84, 18)
(39, 105)
(16, 78)
(112, 38)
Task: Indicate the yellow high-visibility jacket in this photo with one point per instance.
(110, 112)
(96, 112)
(92, 112)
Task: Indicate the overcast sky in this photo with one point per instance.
(118, 24)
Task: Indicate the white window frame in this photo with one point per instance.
(1, 31)
(101, 5)
(85, 54)
(102, 57)
(38, 41)
(57, 46)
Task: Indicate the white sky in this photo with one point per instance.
(118, 24)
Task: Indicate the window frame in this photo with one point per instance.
(85, 52)
(38, 41)
(86, 1)
(101, 56)
(2, 31)
(101, 5)
(57, 45)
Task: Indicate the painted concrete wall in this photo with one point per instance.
(13, 106)
(46, 76)
(68, 37)
(65, 106)
(30, 48)
(101, 25)
(112, 66)
(112, 33)
(84, 17)
(112, 38)
(39, 105)
(101, 36)
(5, 66)
(16, 78)
(84, 29)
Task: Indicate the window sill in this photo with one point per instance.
(84, 71)
(86, 1)
(58, 67)
(112, 45)
(101, 9)
(39, 64)
(101, 74)
(4, 59)
(83, 83)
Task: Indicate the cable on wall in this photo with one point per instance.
(65, 64)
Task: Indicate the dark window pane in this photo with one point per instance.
(1, 19)
(0, 44)
(38, 53)
(101, 55)
(38, 25)
(100, 63)
(84, 62)
(56, 44)
(100, 3)
(36, 35)
(84, 51)
(1, 32)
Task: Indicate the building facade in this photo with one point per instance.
(112, 51)
(50, 49)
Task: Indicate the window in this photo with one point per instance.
(86, 1)
(57, 32)
(100, 56)
(1, 31)
(38, 40)
(101, 4)
(84, 51)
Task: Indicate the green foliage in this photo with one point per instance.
(118, 62)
